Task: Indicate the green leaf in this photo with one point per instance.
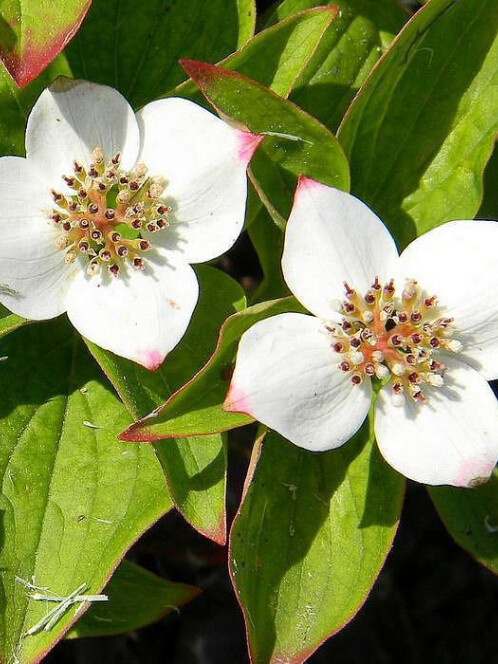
(268, 241)
(310, 538)
(277, 56)
(16, 105)
(197, 407)
(471, 518)
(420, 131)
(299, 144)
(33, 32)
(9, 322)
(136, 598)
(195, 468)
(489, 205)
(136, 48)
(73, 498)
(350, 47)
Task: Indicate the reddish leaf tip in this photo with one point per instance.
(27, 63)
(137, 432)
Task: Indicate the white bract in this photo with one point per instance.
(423, 325)
(107, 210)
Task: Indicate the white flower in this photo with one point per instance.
(142, 197)
(396, 320)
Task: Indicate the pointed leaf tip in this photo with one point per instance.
(205, 74)
(32, 37)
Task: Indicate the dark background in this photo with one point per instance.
(431, 602)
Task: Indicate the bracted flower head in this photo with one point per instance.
(107, 210)
(422, 327)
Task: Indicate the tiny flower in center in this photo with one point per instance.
(104, 220)
(383, 334)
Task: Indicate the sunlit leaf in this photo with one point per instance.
(195, 468)
(422, 128)
(33, 32)
(309, 540)
(74, 499)
(136, 47)
(351, 46)
(136, 598)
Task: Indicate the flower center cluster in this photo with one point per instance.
(383, 335)
(105, 218)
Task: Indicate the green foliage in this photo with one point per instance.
(277, 56)
(136, 598)
(195, 468)
(471, 517)
(421, 130)
(136, 47)
(73, 498)
(345, 56)
(33, 32)
(9, 322)
(417, 120)
(308, 542)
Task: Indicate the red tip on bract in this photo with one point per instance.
(236, 401)
(472, 474)
(150, 359)
(248, 144)
(26, 64)
(305, 185)
(305, 182)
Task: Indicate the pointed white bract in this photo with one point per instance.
(107, 210)
(424, 325)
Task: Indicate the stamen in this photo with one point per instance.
(357, 358)
(62, 242)
(410, 290)
(70, 257)
(138, 264)
(103, 199)
(381, 371)
(383, 337)
(398, 396)
(369, 369)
